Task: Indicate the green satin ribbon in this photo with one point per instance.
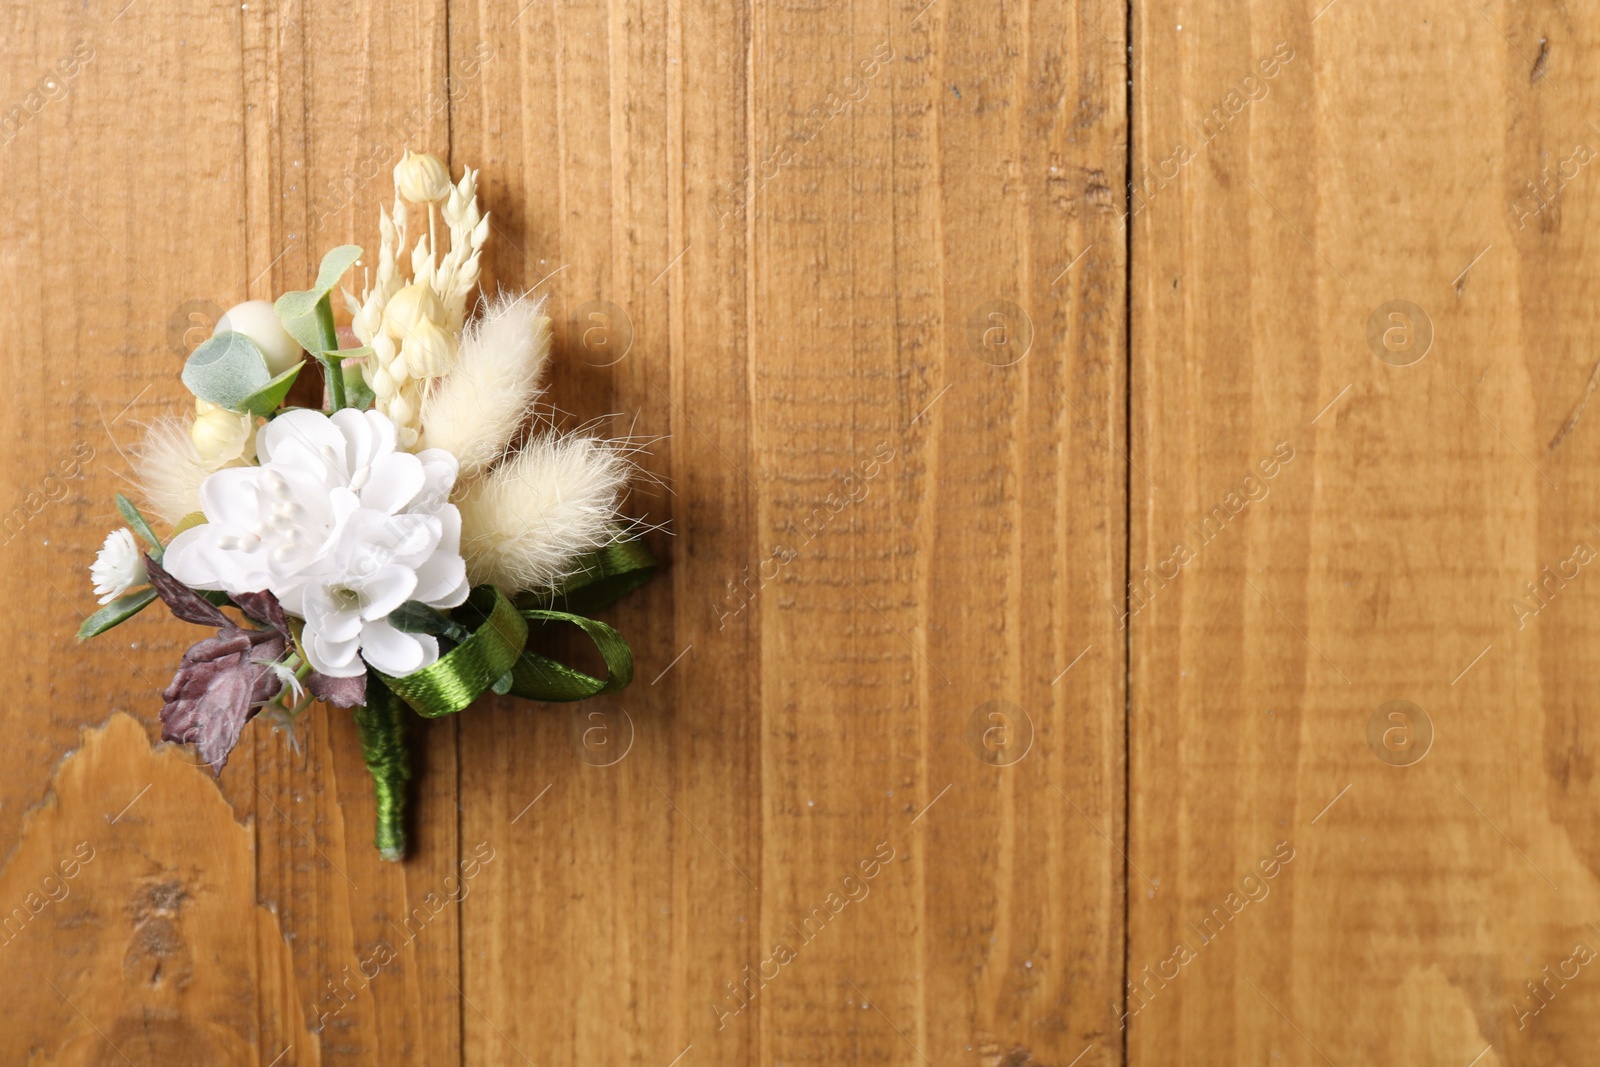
(461, 675)
(383, 746)
(604, 576)
(537, 677)
(495, 656)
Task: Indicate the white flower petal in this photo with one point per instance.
(332, 622)
(118, 567)
(396, 653)
(386, 590)
(304, 433)
(392, 482)
(441, 469)
(449, 518)
(336, 659)
(442, 581)
(197, 559)
(230, 497)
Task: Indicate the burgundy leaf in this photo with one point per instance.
(264, 608)
(340, 692)
(219, 686)
(185, 603)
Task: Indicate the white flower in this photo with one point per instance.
(118, 568)
(342, 528)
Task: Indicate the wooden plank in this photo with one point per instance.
(90, 238)
(131, 931)
(170, 174)
(934, 389)
(847, 586)
(1297, 171)
(621, 905)
(121, 128)
(334, 94)
(847, 605)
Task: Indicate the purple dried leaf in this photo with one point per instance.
(264, 608)
(185, 603)
(220, 685)
(340, 692)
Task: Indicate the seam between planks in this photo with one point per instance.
(1126, 60)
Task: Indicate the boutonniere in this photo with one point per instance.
(399, 546)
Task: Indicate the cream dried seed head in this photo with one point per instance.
(421, 178)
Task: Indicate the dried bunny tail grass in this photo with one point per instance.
(169, 470)
(529, 523)
(476, 409)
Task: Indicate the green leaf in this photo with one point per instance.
(118, 611)
(334, 265)
(350, 353)
(308, 313)
(308, 316)
(226, 370)
(136, 522)
(269, 397)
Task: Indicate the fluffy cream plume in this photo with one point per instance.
(526, 524)
(169, 470)
(476, 409)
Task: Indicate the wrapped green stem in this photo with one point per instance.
(383, 745)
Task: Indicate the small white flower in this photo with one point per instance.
(119, 567)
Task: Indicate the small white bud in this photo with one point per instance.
(409, 308)
(220, 435)
(402, 409)
(421, 178)
(382, 383)
(428, 351)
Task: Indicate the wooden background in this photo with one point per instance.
(1054, 508)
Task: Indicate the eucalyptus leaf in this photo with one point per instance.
(349, 353)
(308, 316)
(268, 398)
(226, 370)
(308, 313)
(334, 265)
(136, 522)
(118, 611)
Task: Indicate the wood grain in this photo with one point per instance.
(132, 932)
(1038, 575)
(1382, 161)
(333, 96)
(708, 895)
